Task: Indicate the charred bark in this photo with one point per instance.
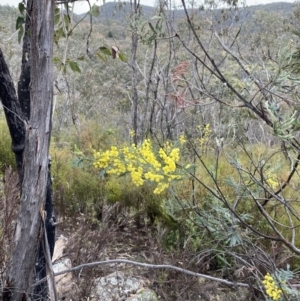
(13, 112)
(24, 80)
(41, 291)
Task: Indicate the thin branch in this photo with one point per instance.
(286, 182)
(90, 33)
(49, 266)
(146, 265)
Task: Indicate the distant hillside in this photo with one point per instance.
(119, 11)
(281, 7)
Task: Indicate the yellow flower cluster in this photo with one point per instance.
(271, 287)
(203, 131)
(142, 163)
(206, 131)
(272, 180)
(272, 183)
(131, 133)
(182, 139)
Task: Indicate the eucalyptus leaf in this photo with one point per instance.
(67, 21)
(56, 19)
(59, 33)
(101, 56)
(20, 34)
(74, 66)
(57, 60)
(123, 57)
(105, 50)
(20, 21)
(21, 7)
(57, 10)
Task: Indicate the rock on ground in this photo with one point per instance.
(65, 285)
(116, 286)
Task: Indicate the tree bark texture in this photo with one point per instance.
(36, 151)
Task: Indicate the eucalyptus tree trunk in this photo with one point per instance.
(29, 120)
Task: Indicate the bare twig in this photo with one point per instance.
(146, 265)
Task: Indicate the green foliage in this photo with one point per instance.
(77, 189)
(115, 192)
(140, 201)
(95, 11)
(284, 129)
(21, 7)
(148, 31)
(73, 65)
(91, 136)
(20, 22)
(78, 186)
(113, 52)
(123, 57)
(62, 24)
(109, 35)
(7, 157)
(69, 63)
(105, 50)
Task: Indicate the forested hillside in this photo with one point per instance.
(175, 141)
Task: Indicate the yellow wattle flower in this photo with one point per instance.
(142, 163)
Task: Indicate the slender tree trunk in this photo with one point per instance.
(36, 152)
(134, 94)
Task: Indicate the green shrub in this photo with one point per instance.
(76, 189)
(140, 200)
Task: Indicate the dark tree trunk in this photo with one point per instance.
(40, 291)
(24, 80)
(29, 121)
(13, 112)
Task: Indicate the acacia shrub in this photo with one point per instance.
(139, 201)
(79, 187)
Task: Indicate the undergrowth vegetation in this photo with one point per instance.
(191, 211)
(203, 181)
(185, 153)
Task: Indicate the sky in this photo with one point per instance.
(81, 7)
